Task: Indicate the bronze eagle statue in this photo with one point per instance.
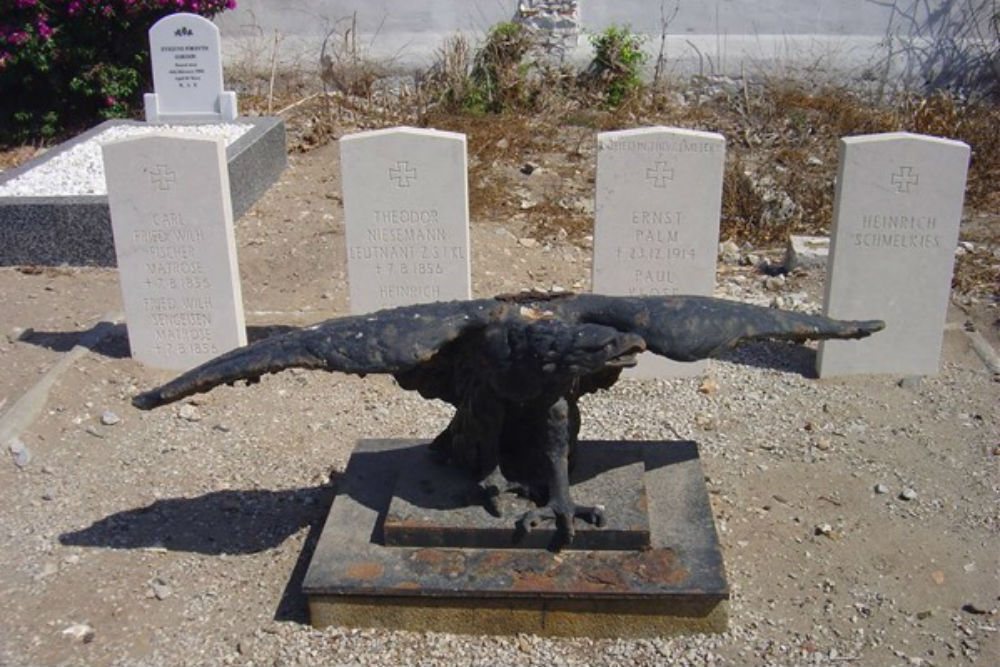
(515, 368)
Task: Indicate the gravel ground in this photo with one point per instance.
(80, 170)
(858, 517)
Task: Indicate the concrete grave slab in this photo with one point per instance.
(896, 216)
(50, 230)
(677, 584)
(659, 195)
(807, 252)
(185, 52)
(173, 230)
(406, 208)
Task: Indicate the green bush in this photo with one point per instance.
(618, 59)
(65, 64)
(498, 78)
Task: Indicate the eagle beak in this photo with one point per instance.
(629, 347)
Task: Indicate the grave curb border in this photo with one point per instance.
(76, 230)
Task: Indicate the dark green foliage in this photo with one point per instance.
(615, 69)
(498, 78)
(66, 65)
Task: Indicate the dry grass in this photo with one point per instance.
(977, 125)
(16, 156)
(499, 146)
(782, 141)
(977, 274)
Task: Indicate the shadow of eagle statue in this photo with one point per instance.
(514, 367)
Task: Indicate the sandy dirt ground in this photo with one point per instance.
(858, 517)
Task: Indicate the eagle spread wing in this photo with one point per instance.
(388, 341)
(399, 340)
(689, 328)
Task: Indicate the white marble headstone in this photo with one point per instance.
(896, 215)
(407, 217)
(173, 228)
(659, 195)
(186, 57)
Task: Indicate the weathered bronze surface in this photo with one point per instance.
(514, 368)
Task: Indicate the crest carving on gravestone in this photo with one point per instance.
(659, 174)
(161, 177)
(403, 175)
(183, 31)
(904, 178)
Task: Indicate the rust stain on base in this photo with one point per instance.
(364, 571)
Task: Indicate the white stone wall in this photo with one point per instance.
(554, 23)
(902, 42)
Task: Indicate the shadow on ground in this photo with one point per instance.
(784, 356)
(222, 522)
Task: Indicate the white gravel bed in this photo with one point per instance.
(80, 170)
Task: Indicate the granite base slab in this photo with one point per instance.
(676, 584)
(76, 230)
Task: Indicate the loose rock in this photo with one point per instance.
(20, 453)
(160, 589)
(18, 333)
(80, 632)
(729, 252)
(774, 283)
(705, 421)
(189, 413)
(708, 386)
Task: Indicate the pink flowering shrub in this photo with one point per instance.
(66, 63)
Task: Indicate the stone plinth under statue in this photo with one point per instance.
(406, 548)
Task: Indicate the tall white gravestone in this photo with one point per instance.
(659, 196)
(173, 228)
(185, 52)
(896, 216)
(406, 207)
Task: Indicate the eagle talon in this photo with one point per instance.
(490, 495)
(593, 515)
(492, 488)
(563, 517)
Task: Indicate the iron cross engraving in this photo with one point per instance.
(162, 177)
(402, 174)
(904, 178)
(660, 174)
